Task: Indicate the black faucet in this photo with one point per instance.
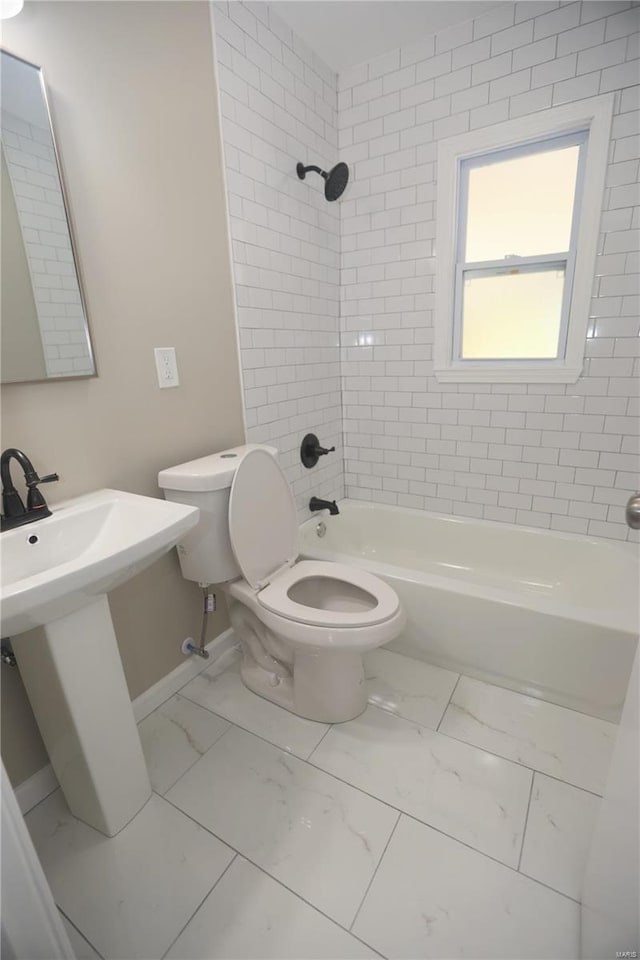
(316, 504)
(14, 512)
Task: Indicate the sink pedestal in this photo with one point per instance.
(76, 685)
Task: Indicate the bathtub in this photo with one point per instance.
(553, 615)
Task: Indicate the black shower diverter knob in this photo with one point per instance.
(311, 451)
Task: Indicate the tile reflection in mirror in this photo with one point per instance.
(44, 321)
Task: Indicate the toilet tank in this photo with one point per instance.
(205, 552)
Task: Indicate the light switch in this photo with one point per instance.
(167, 366)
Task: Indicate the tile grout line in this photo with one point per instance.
(455, 687)
(519, 693)
(235, 723)
(449, 736)
(429, 826)
(500, 756)
(193, 762)
(238, 853)
(526, 823)
(330, 727)
(375, 872)
(519, 763)
(208, 893)
(307, 759)
(377, 799)
(385, 804)
(460, 676)
(79, 931)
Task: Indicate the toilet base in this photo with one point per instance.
(326, 686)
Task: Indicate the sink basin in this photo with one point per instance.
(55, 574)
(88, 546)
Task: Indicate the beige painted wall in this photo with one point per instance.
(134, 108)
(21, 356)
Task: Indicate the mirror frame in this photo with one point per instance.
(70, 225)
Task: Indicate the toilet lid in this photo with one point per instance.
(262, 518)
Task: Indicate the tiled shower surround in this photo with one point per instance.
(279, 106)
(554, 456)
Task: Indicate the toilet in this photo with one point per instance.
(303, 625)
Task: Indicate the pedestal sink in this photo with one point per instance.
(55, 574)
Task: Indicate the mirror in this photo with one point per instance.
(44, 332)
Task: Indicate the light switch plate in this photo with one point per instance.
(167, 367)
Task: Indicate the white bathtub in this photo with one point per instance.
(551, 614)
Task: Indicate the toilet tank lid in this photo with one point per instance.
(214, 472)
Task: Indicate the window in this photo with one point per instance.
(518, 211)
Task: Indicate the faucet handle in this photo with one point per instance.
(35, 500)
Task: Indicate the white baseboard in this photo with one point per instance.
(148, 701)
(30, 792)
(36, 788)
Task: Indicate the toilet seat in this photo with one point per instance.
(276, 596)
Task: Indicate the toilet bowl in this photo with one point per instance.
(303, 625)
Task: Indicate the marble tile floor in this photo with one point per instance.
(452, 819)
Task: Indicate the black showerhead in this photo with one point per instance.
(334, 182)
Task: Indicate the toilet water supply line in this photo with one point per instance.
(209, 607)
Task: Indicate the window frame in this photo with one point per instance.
(587, 122)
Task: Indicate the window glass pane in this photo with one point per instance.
(512, 315)
(521, 207)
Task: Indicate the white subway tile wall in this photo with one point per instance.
(552, 456)
(34, 178)
(279, 106)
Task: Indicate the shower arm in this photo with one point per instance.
(302, 171)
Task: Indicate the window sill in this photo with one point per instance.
(500, 374)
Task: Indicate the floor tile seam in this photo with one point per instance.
(239, 853)
(524, 836)
(567, 783)
(492, 753)
(196, 703)
(460, 676)
(403, 813)
(375, 872)
(186, 683)
(78, 930)
(235, 723)
(526, 822)
(412, 816)
(207, 894)
(28, 812)
(455, 687)
(302, 760)
(489, 857)
(330, 727)
(518, 763)
(308, 759)
(549, 887)
(530, 696)
(417, 723)
(195, 762)
(358, 790)
(398, 716)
